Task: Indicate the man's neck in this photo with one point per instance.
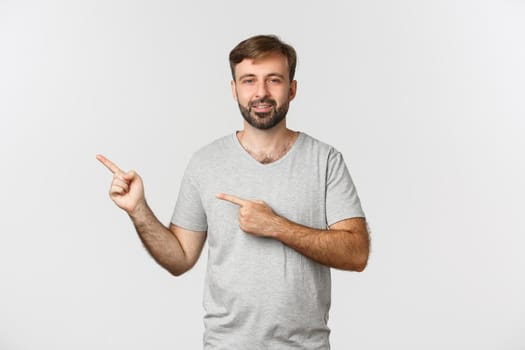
(267, 146)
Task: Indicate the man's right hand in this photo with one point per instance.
(127, 188)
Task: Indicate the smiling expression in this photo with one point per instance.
(263, 90)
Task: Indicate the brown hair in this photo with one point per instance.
(260, 46)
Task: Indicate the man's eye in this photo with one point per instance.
(247, 81)
(275, 81)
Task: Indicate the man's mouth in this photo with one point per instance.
(262, 107)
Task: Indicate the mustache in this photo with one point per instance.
(263, 100)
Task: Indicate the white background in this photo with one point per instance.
(425, 99)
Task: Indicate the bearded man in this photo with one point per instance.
(278, 208)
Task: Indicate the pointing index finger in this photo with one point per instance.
(232, 199)
(109, 164)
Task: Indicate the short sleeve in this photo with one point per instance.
(189, 212)
(342, 200)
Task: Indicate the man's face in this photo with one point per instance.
(263, 90)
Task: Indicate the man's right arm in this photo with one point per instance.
(176, 249)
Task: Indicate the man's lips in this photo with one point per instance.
(262, 107)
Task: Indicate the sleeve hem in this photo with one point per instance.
(344, 216)
(190, 226)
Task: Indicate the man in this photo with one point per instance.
(277, 206)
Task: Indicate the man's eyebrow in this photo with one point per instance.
(279, 75)
(251, 75)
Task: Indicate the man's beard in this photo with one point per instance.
(264, 121)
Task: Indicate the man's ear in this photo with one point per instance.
(234, 89)
(293, 90)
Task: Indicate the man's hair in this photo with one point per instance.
(260, 46)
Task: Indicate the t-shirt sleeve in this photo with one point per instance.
(342, 200)
(189, 212)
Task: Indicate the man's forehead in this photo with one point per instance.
(273, 61)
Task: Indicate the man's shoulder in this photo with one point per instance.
(316, 144)
(218, 145)
(219, 148)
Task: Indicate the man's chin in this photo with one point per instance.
(266, 124)
(264, 115)
(262, 120)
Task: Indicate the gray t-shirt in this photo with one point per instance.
(259, 293)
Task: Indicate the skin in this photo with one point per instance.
(176, 249)
(344, 245)
(262, 92)
(259, 79)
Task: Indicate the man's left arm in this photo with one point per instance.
(345, 245)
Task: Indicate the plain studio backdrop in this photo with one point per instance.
(425, 99)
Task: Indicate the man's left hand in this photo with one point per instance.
(255, 216)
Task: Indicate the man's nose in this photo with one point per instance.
(262, 90)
